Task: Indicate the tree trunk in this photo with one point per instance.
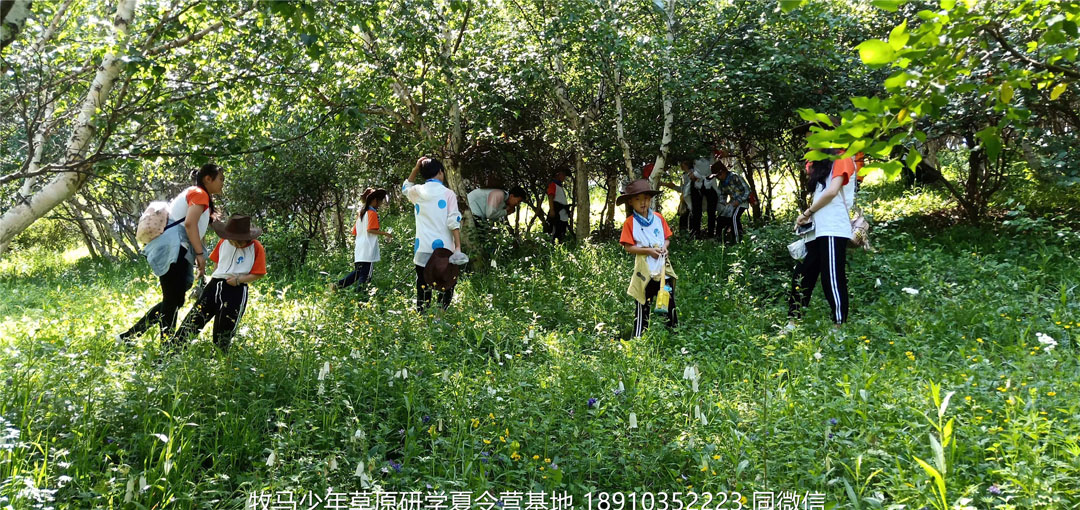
(612, 194)
(581, 194)
(669, 117)
(13, 14)
(75, 172)
(620, 132)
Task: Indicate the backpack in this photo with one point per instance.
(154, 222)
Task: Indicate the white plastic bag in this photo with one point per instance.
(797, 249)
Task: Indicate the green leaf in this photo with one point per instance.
(1006, 93)
(991, 142)
(791, 5)
(1058, 90)
(898, 37)
(889, 5)
(948, 4)
(939, 454)
(892, 169)
(876, 52)
(898, 80)
(913, 159)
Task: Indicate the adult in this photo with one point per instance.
(833, 186)
(491, 204)
(688, 196)
(558, 207)
(734, 200)
(173, 254)
(706, 185)
(438, 224)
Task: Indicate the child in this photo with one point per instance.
(438, 224)
(240, 259)
(367, 233)
(646, 234)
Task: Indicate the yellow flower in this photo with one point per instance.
(547, 460)
(515, 456)
(475, 422)
(967, 398)
(491, 416)
(1051, 393)
(536, 457)
(502, 438)
(980, 340)
(487, 441)
(715, 457)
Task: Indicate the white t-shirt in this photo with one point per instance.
(367, 244)
(437, 215)
(232, 261)
(178, 209)
(834, 219)
(556, 190)
(487, 203)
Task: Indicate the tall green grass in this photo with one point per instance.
(494, 394)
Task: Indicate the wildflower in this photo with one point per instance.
(515, 456)
(396, 467)
(1051, 393)
(547, 460)
(994, 489)
(592, 403)
(536, 457)
(909, 290)
(425, 419)
(1050, 343)
(633, 420)
(833, 421)
(818, 356)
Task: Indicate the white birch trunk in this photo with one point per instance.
(13, 21)
(66, 183)
(669, 117)
(620, 132)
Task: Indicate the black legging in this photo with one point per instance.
(732, 224)
(423, 293)
(825, 257)
(220, 302)
(361, 274)
(711, 199)
(694, 227)
(174, 284)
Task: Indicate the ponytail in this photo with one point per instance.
(208, 170)
(820, 171)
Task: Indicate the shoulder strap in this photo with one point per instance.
(173, 224)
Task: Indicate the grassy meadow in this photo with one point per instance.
(958, 370)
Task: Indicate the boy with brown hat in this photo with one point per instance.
(239, 260)
(646, 234)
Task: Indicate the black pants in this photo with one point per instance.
(642, 311)
(361, 274)
(733, 225)
(694, 218)
(825, 257)
(423, 293)
(711, 199)
(174, 284)
(222, 303)
(559, 228)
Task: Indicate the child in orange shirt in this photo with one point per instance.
(647, 235)
(239, 260)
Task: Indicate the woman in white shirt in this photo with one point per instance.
(367, 231)
(833, 185)
(195, 207)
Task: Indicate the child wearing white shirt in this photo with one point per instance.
(367, 232)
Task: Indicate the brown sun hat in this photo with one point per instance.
(439, 273)
(237, 229)
(636, 188)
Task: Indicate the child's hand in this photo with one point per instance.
(233, 280)
(654, 252)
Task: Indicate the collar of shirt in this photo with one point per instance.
(641, 219)
(435, 180)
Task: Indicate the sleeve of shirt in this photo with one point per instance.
(453, 214)
(667, 229)
(259, 267)
(551, 189)
(627, 236)
(845, 168)
(373, 222)
(495, 199)
(410, 190)
(743, 190)
(214, 254)
(198, 196)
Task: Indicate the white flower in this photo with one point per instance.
(818, 356)
(877, 282)
(360, 469)
(129, 494)
(1046, 340)
(358, 435)
(909, 290)
(633, 420)
(324, 371)
(621, 387)
(271, 458)
(142, 483)
(333, 463)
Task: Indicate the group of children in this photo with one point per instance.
(240, 259)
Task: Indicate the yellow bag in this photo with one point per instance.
(663, 296)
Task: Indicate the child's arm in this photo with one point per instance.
(377, 232)
(242, 279)
(642, 250)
